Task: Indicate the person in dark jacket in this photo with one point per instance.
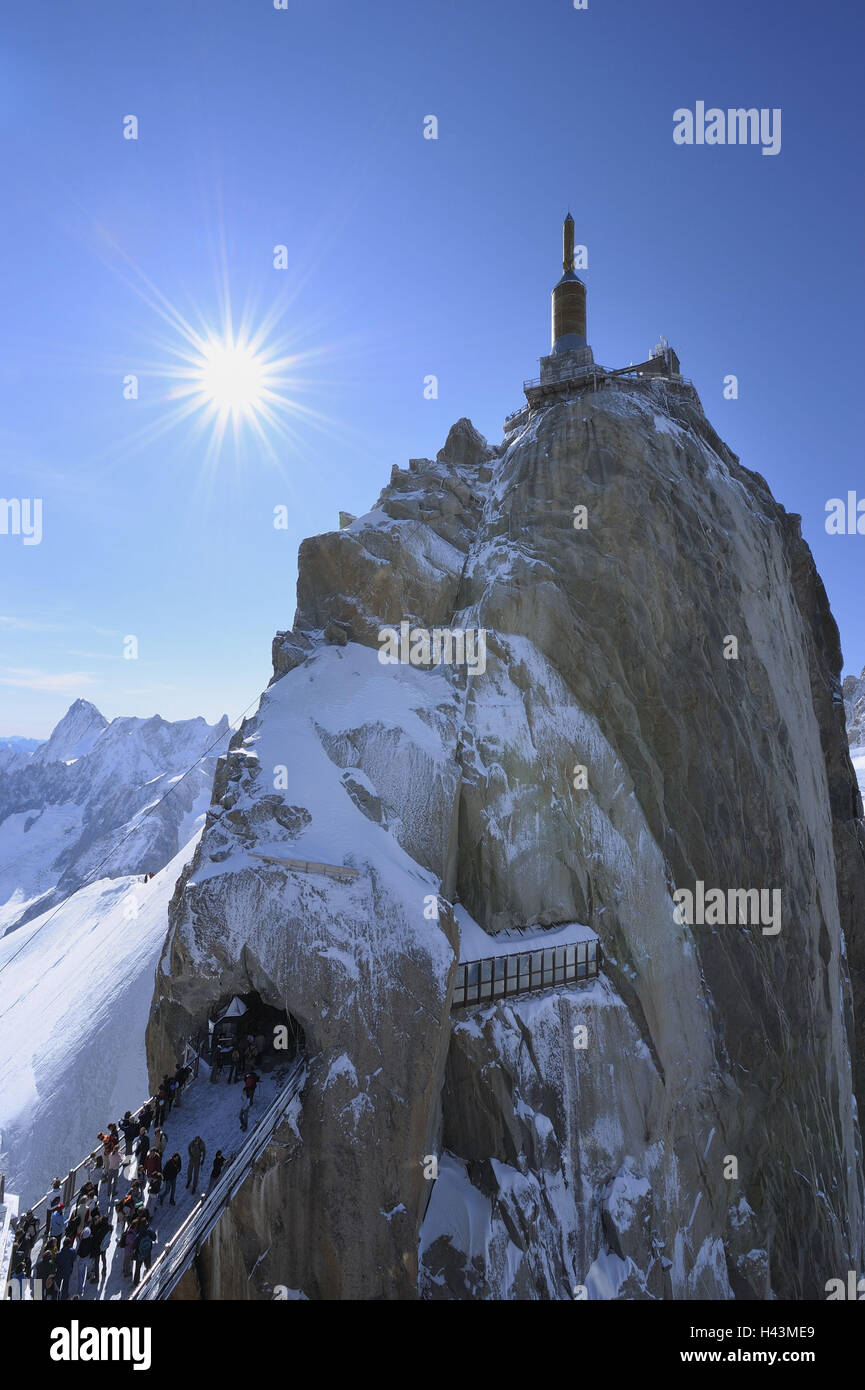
(234, 1068)
(64, 1265)
(20, 1254)
(197, 1154)
(100, 1233)
(143, 1248)
(84, 1251)
(44, 1270)
(129, 1128)
(218, 1165)
(18, 1279)
(55, 1197)
(28, 1228)
(170, 1173)
(142, 1145)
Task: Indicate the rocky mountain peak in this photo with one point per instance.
(74, 735)
(658, 708)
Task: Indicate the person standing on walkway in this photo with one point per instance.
(127, 1243)
(28, 1229)
(85, 1254)
(197, 1153)
(170, 1173)
(244, 1111)
(143, 1248)
(55, 1197)
(57, 1223)
(64, 1265)
(113, 1164)
(20, 1254)
(218, 1164)
(250, 1082)
(129, 1128)
(100, 1233)
(45, 1271)
(181, 1076)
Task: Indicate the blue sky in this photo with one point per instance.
(407, 256)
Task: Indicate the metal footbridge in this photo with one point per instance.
(181, 1250)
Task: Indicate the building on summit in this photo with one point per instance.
(570, 367)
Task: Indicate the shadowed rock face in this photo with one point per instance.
(609, 1165)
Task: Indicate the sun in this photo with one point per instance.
(239, 373)
(232, 377)
(233, 380)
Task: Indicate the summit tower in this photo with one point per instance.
(570, 366)
(569, 299)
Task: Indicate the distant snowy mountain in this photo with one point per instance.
(99, 800)
(74, 736)
(16, 744)
(854, 714)
(82, 819)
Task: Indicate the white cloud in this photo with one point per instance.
(61, 682)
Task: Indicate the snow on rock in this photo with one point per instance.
(560, 1166)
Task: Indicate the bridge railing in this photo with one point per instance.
(521, 972)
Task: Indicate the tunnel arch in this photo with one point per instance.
(277, 1036)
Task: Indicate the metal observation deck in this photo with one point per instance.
(501, 977)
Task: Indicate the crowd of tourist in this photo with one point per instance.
(74, 1241)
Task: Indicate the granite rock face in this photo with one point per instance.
(660, 706)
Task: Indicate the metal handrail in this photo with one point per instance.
(602, 374)
(344, 872)
(183, 1247)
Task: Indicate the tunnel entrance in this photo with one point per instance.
(245, 1032)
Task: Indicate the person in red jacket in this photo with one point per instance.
(153, 1169)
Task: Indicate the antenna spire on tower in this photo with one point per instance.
(568, 243)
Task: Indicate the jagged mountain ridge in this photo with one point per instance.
(65, 807)
(605, 649)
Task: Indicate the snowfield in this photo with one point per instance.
(77, 987)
